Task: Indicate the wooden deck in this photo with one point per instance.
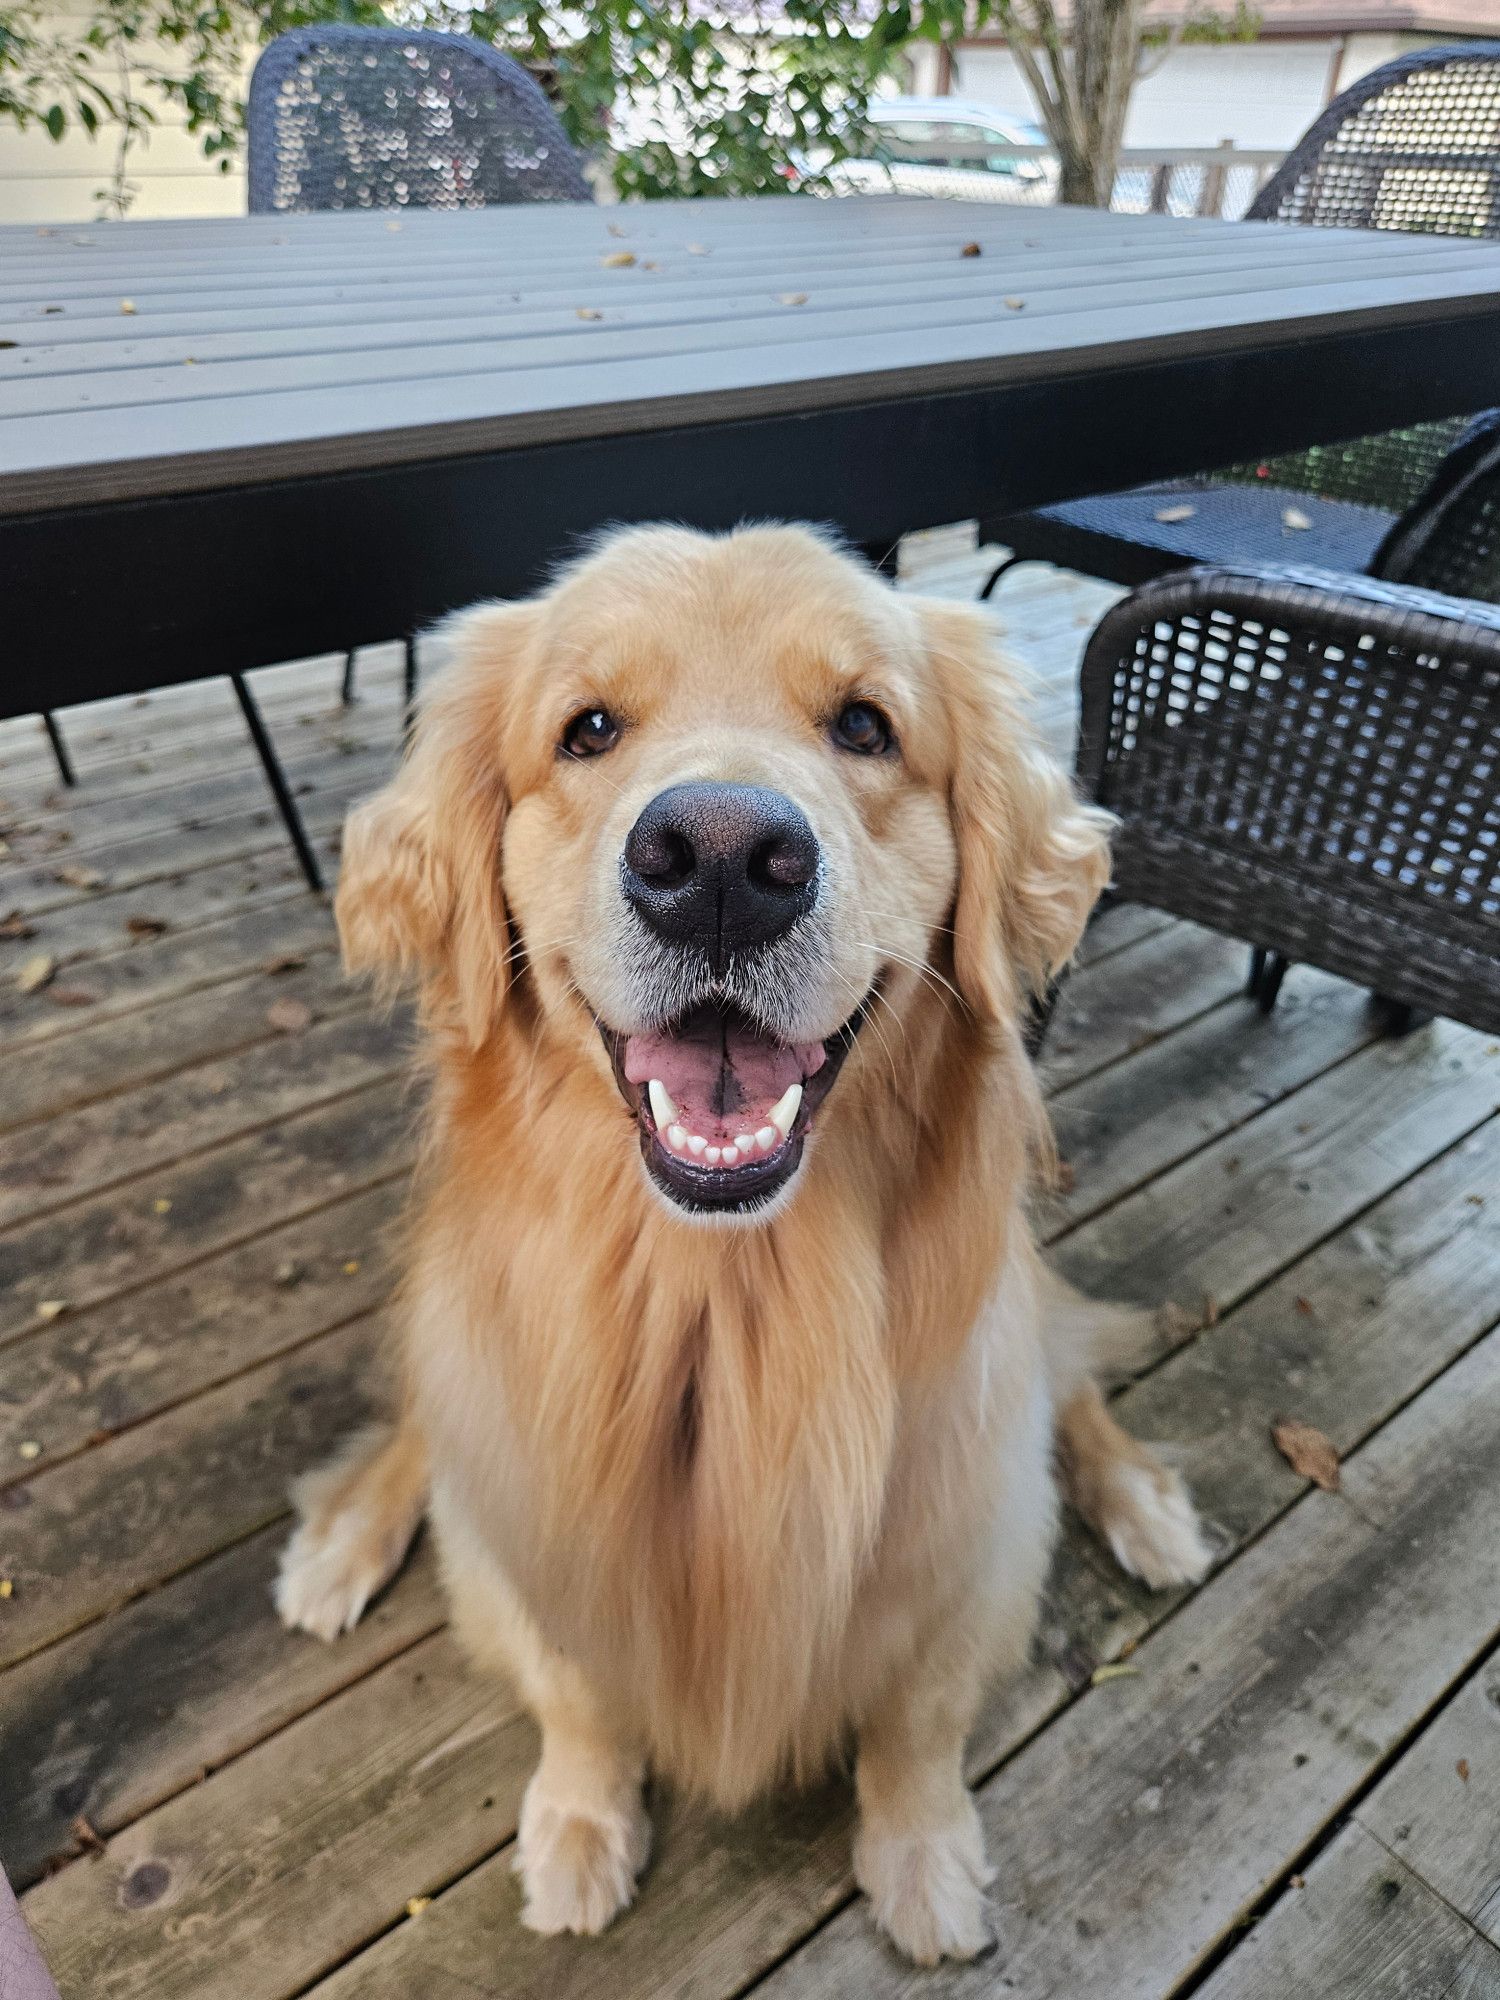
(1292, 1786)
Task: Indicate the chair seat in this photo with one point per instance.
(1121, 536)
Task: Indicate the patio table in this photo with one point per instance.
(225, 443)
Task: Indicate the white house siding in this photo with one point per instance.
(1259, 94)
(44, 180)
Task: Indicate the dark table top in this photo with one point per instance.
(165, 358)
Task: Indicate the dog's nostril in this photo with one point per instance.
(659, 853)
(786, 861)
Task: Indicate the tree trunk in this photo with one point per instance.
(1106, 36)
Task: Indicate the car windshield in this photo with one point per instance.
(958, 142)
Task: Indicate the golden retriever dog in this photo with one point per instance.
(732, 1382)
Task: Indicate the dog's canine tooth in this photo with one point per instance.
(663, 1110)
(767, 1138)
(783, 1114)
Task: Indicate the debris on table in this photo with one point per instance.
(36, 972)
(1183, 512)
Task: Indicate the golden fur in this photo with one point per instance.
(721, 1495)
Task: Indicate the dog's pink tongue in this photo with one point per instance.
(720, 1075)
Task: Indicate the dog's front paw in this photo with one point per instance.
(578, 1869)
(926, 1887)
(1152, 1526)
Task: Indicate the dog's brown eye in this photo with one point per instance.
(591, 733)
(862, 728)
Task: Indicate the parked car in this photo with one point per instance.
(947, 147)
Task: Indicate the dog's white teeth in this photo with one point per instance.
(783, 1114)
(677, 1138)
(767, 1138)
(713, 1156)
(746, 1144)
(696, 1146)
(663, 1110)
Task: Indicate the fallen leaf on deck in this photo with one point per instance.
(35, 973)
(1210, 1309)
(791, 298)
(1308, 1452)
(72, 996)
(77, 876)
(16, 926)
(351, 1268)
(29, 1448)
(1182, 513)
(589, 312)
(971, 250)
(1462, 1768)
(146, 926)
(1063, 1179)
(617, 260)
(86, 1836)
(161, 1206)
(289, 1272)
(1293, 517)
(1115, 1670)
(7, 1588)
(1297, 1881)
(1175, 1322)
(284, 961)
(289, 1017)
(415, 1905)
(1304, 1306)
(1015, 305)
(50, 1309)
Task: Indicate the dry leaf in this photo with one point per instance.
(1462, 1768)
(1115, 1670)
(394, 228)
(1308, 1452)
(351, 1269)
(284, 961)
(791, 298)
(289, 1273)
(127, 306)
(161, 1206)
(51, 1309)
(7, 1588)
(1298, 1881)
(618, 260)
(289, 1017)
(1210, 1309)
(697, 249)
(1293, 517)
(1182, 513)
(589, 312)
(650, 264)
(1304, 1306)
(415, 1905)
(146, 926)
(79, 877)
(971, 250)
(16, 926)
(29, 1449)
(72, 996)
(87, 1836)
(36, 972)
(1063, 1179)
(1175, 1322)
(1015, 305)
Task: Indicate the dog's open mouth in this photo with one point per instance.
(724, 1109)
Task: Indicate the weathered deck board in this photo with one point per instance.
(1359, 1928)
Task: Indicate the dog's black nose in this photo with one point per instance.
(722, 867)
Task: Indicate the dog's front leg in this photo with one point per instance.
(583, 1836)
(919, 1853)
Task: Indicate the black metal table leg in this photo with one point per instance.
(286, 805)
(59, 748)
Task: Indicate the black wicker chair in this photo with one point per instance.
(1411, 146)
(343, 117)
(1311, 760)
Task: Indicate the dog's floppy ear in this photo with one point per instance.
(419, 885)
(1032, 857)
